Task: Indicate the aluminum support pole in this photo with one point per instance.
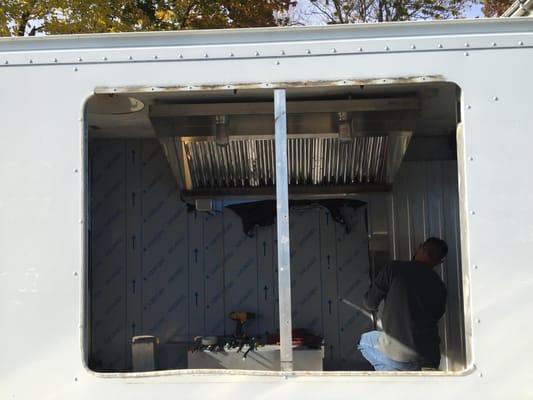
(284, 251)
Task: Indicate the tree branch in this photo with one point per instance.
(324, 11)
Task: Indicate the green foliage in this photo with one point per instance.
(495, 8)
(16, 16)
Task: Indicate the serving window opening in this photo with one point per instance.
(186, 224)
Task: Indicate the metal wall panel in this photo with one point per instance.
(329, 278)
(133, 240)
(215, 314)
(305, 270)
(184, 271)
(424, 203)
(240, 272)
(108, 256)
(353, 267)
(196, 289)
(164, 242)
(267, 307)
(353, 279)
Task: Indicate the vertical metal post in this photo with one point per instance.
(284, 252)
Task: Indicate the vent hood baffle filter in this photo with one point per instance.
(367, 157)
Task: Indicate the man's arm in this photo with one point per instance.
(378, 289)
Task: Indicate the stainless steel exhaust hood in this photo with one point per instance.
(334, 148)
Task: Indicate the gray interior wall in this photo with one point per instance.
(424, 203)
(156, 268)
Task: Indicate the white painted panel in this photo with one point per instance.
(42, 246)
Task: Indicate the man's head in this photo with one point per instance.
(432, 251)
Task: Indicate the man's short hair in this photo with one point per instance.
(435, 248)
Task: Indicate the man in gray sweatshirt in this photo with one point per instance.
(415, 300)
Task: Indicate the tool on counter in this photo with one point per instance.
(240, 340)
(208, 343)
(241, 317)
(300, 337)
(209, 340)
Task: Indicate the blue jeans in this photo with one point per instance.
(369, 348)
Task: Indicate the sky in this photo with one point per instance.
(304, 7)
(475, 12)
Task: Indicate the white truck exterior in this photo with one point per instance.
(44, 84)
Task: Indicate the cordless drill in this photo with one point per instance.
(241, 317)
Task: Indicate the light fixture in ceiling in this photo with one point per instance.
(110, 104)
(222, 138)
(345, 127)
